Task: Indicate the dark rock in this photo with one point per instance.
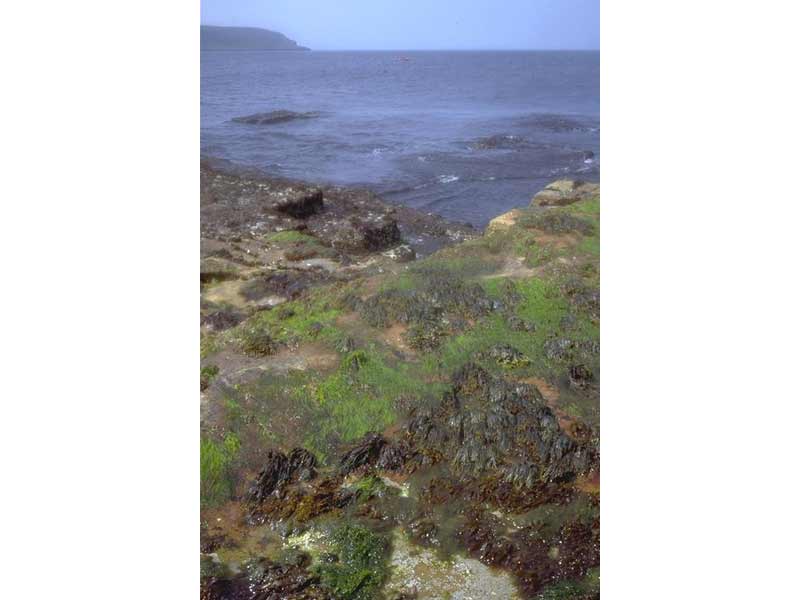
(486, 425)
(365, 452)
(220, 320)
(498, 142)
(369, 233)
(279, 471)
(287, 283)
(263, 579)
(301, 205)
(580, 377)
(273, 117)
(392, 457)
(302, 464)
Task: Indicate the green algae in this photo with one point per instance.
(538, 301)
(359, 397)
(588, 587)
(290, 236)
(207, 375)
(291, 323)
(362, 566)
(217, 468)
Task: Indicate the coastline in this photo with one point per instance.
(337, 331)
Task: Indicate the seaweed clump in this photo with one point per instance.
(437, 307)
(487, 425)
(359, 563)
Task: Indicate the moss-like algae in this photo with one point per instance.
(362, 566)
(357, 398)
(217, 468)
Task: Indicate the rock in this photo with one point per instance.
(392, 457)
(279, 471)
(402, 254)
(367, 233)
(564, 192)
(365, 452)
(301, 205)
(504, 221)
(220, 320)
(302, 464)
(273, 117)
(558, 349)
(580, 377)
(497, 142)
(517, 324)
(487, 426)
(263, 579)
(217, 269)
(507, 355)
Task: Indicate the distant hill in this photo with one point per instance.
(244, 38)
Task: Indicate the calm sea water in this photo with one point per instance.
(409, 124)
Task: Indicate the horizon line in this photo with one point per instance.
(401, 49)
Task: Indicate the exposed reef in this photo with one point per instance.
(393, 406)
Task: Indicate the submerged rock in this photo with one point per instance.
(497, 142)
(564, 192)
(273, 117)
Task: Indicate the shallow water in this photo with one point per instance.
(410, 125)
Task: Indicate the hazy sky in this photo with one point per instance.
(418, 24)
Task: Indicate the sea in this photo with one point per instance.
(466, 135)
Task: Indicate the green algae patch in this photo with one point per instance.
(300, 246)
(588, 587)
(217, 478)
(290, 237)
(539, 302)
(291, 323)
(362, 566)
(207, 375)
(358, 398)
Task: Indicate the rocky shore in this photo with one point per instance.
(394, 406)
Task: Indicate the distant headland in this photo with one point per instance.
(244, 38)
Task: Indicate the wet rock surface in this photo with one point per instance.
(281, 470)
(236, 203)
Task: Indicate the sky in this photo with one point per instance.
(418, 24)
